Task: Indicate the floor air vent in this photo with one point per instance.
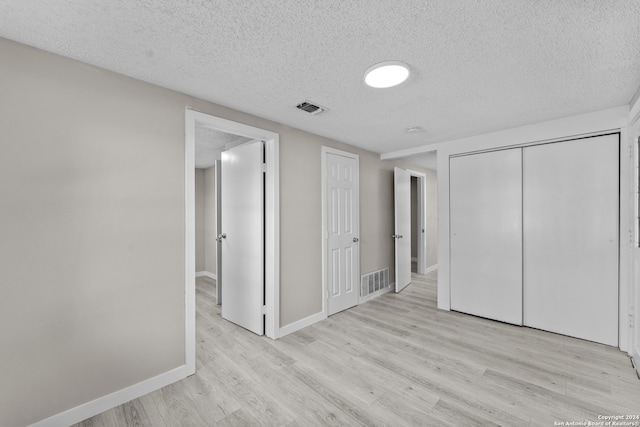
(310, 108)
(371, 284)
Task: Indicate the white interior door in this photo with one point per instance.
(571, 213)
(242, 244)
(402, 221)
(486, 234)
(218, 169)
(342, 216)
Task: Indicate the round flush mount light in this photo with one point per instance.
(386, 74)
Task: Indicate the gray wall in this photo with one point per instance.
(92, 229)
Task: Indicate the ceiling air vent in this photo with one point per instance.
(310, 108)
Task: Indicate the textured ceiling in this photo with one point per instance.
(210, 143)
(477, 66)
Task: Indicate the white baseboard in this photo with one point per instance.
(430, 269)
(377, 293)
(635, 359)
(101, 404)
(206, 274)
(302, 323)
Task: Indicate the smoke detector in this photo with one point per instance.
(414, 129)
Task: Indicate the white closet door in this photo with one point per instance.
(486, 234)
(343, 214)
(571, 212)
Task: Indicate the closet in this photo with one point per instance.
(534, 236)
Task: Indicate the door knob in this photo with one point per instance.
(355, 240)
(221, 236)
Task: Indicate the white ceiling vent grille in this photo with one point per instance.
(310, 108)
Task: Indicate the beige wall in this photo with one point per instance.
(205, 212)
(200, 201)
(210, 231)
(431, 229)
(92, 233)
(414, 217)
(301, 220)
(92, 229)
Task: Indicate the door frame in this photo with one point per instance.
(325, 226)
(633, 330)
(272, 221)
(422, 219)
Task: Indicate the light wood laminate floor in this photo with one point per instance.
(395, 360)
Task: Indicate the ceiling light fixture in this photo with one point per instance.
(386, 74)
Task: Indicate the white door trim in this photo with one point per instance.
(422, 219)
(325, 227)
(633, 292)
(272, 222)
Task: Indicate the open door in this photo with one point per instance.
(242, 236)
(402, 236)
(218, 170)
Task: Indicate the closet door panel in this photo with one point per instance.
(486, 234)
(571, 212)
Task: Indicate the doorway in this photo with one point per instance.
(417, 227)
(194, 120)
(410, 225)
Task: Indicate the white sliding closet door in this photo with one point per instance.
(571, 213)
(486, 234)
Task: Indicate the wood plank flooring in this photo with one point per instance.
(394, 361)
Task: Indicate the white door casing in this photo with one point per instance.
(486, 234)
(634, 291)
(402, 227)
(242, 236)
(341, 230)
(272, 221)
(571, 211)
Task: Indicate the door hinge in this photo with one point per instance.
(263, 168)
(631, 320)
(631, 151)
(264, 310)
